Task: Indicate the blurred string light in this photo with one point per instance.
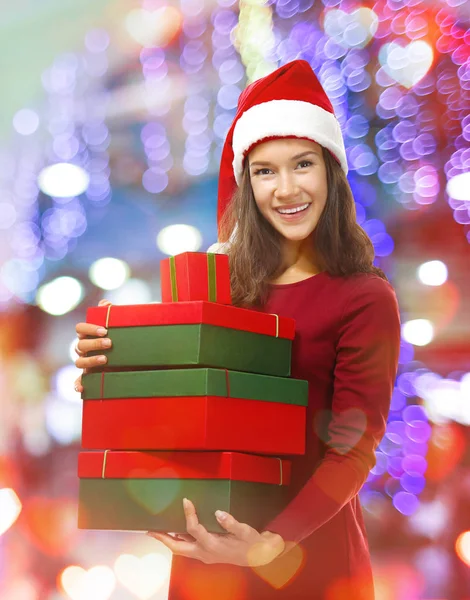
(94, 133)
(10, 509)
(109, 273)
(193, 59)
(433, 273)
(65, 178)
(175, 239)
(60, 296)
(157, 84)
(254, 38)
(229, 68)
(351, 30)
(453, 92)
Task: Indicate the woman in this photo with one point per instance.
(288, 213)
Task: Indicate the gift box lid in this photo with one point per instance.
(195, 382)
(191, 313)
(236, 466)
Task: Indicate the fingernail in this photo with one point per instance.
(106, 343)
(101, 331)
(185, 503)
(101, 359)
(221, 515)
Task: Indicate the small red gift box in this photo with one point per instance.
(194, 423)
(196, 276)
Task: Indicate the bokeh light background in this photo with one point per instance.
(113, 115)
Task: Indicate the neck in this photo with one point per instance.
(299, 256)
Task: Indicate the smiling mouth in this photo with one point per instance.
(293, 211)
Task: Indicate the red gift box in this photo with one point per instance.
(111, 464)
(194, 423)
(191, 313)
(196, 276)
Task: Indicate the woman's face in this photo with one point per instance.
(287, 174)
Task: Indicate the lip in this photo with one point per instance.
(294, 216)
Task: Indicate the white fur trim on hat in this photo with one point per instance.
(223, 247)
(284, 118)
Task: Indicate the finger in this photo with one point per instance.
(78, 385)
(88, 362)
(89, 329)
(104, 302)
(182, 548)
(84, 346)
(194, 528)
(240, 530)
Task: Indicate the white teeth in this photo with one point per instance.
(287, 211)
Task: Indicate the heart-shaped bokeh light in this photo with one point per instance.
(79, 584)
(144, 576)
(406, 64)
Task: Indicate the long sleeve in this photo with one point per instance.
(367, 349)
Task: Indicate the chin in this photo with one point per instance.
(299, 236)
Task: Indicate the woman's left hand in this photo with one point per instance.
(241, 545)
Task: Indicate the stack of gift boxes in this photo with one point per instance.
(195, 401)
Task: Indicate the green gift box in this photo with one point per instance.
(137, 491)
(198, 345)
(195, 382)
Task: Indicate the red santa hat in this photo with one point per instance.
(290, 102)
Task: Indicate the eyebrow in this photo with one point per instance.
(296, 157)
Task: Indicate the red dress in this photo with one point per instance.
(346, 345)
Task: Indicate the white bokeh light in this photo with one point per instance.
(109, 273)
(63, 180)
(64, 379)
(175, 239)
(26, 121)
(10, 508)
(134, 291)
(63, 420)
(418, 332)
(60, 296)
(433, 272)
(458, 187)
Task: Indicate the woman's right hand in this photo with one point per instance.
(85, 345)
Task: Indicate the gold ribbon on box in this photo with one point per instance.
(103, 470)
(108, 314)
(277, 323)
(211, 278)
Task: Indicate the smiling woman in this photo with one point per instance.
(295, 250)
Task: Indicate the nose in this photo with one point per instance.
(286, 186)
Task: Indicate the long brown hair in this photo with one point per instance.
(342, 246)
